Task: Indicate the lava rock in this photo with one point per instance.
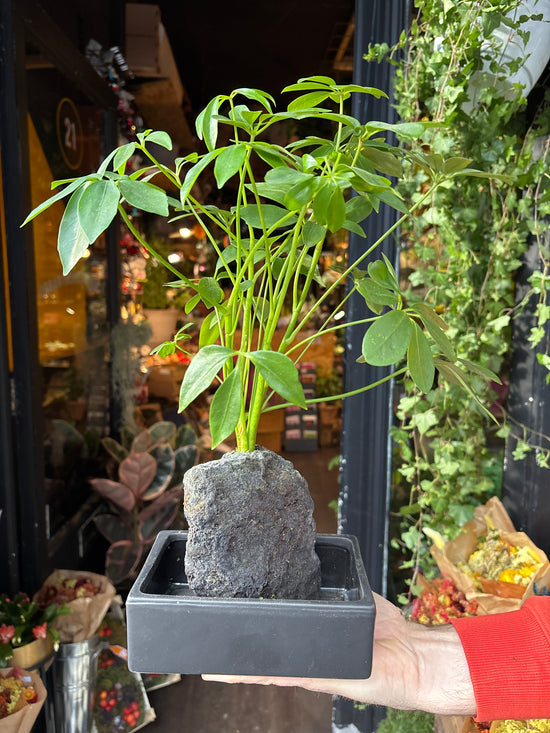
(251, 528)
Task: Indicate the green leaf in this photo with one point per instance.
(209, 332)
(376, 296)
(56, 197)
(306, 101)
(405, 129)
(228, 163)
(383, 161)
(206, 123)
(387, 340)
(72, 242)
(265, 99)
(358, 208)
(435, 327)
(210, 292)
(160, 138)
(272, 215)
(420, 360)
(452, 165)
(122, 156)
(380, 273)
(480, 370)
(192, 303)
(201, 372)
(144, 196)
(300, 194)
(97, 207)
(329, 207)
(225, 407)
(194, 172)
(280, 373)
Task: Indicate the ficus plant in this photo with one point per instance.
(274, 234)
(146, 494)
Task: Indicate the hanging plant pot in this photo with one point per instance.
(172, 630)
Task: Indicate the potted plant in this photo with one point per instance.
(27, 634)
(145, 496)
(251, 529)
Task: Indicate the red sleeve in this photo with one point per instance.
(509, 659)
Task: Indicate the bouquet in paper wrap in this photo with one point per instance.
(491, 562)
(22, 695)
(87, 595)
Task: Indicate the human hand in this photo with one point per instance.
(414, 667)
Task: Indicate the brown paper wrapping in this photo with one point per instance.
(498, 596)
(23, 720)
(32, 654)
(86, 613)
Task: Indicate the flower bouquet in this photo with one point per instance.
(27, 630)
(490, 562)
(22, 695)
(87, 596)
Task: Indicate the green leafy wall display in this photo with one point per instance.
(462, 251)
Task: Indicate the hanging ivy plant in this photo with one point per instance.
(462, 251)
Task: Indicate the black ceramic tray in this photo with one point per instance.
(171, 630)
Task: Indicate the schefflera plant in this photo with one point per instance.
(276, 231)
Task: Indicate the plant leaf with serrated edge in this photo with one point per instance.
(280, 373)
(225, 408)
(97, 207)
(387, 340)
(72, 243)
(201, 372)
(420, 360)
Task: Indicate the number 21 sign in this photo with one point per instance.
(69, 133)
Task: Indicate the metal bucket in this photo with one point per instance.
(71, 683)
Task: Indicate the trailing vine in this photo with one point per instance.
(462, 251)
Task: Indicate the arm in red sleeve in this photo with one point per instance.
(508, 656)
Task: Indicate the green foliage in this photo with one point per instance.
(406, 721)
(275, 232)
(22, 621)
(461, 251)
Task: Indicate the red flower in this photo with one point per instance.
(41, 631)
(6, 633)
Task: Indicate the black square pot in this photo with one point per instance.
(170, 630)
